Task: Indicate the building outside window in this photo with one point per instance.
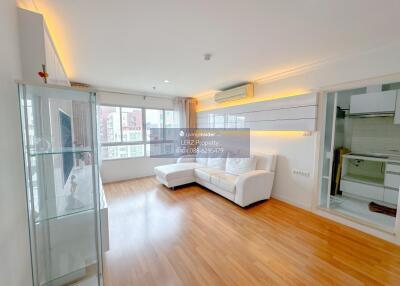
(125, 132)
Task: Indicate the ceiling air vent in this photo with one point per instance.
(235, 93)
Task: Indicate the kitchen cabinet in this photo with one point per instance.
(362, 189)
(362, 177)
(376, 102)
(392, 183)
(369, 183)
(393, 167)
(391, 196)
(372, 172)
(392, 180)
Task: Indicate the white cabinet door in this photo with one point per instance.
(393, 167)
(373, 102)
(392, 183)
(362, 190)
(391, 196)
(392, 180)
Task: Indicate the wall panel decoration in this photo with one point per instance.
(296, 113)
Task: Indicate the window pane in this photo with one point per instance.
(211, 120)
(131, 124)
(231, 121)
(154, 119)
(240, 120)
(171, 121)
(157, 149)
(109, 124)
(219, 121)
(122, 151)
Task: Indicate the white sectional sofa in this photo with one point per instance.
(241, 180)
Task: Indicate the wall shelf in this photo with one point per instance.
(64, 215)
(60, 151)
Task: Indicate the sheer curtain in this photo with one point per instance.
(81, 120)
(185, 107)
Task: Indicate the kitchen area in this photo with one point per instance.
(360, 175)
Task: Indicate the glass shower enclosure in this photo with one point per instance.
(62, 184)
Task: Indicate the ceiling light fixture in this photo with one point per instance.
(166, 81)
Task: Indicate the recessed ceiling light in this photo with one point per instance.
(166, 81)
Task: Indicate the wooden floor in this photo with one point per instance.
(191, 236)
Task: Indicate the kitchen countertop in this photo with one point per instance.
(378, 157)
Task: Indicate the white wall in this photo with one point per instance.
(295, 152)
(135, 100)
(14, 248)
(125, 169)
(381, 65)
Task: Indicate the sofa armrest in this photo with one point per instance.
(186, 159)
(253, 186)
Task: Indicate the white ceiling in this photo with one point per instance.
(135, 45)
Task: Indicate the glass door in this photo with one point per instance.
(327, 148)
(62, 184)
(360, 159)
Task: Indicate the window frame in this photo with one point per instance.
(144, 140)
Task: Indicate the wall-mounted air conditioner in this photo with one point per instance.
(239, 92)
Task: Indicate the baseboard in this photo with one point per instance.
(124, 179)
(291, 202)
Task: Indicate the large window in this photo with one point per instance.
(110, 124)
(132, 127)
(126, 132)
(154, 119)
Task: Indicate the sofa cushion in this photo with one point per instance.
(206, 173)
(225, 181)
(238, 166)
(216, 163)
(176, 171)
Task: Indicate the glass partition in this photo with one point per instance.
(326, 155)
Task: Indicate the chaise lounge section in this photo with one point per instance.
(241, 180)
